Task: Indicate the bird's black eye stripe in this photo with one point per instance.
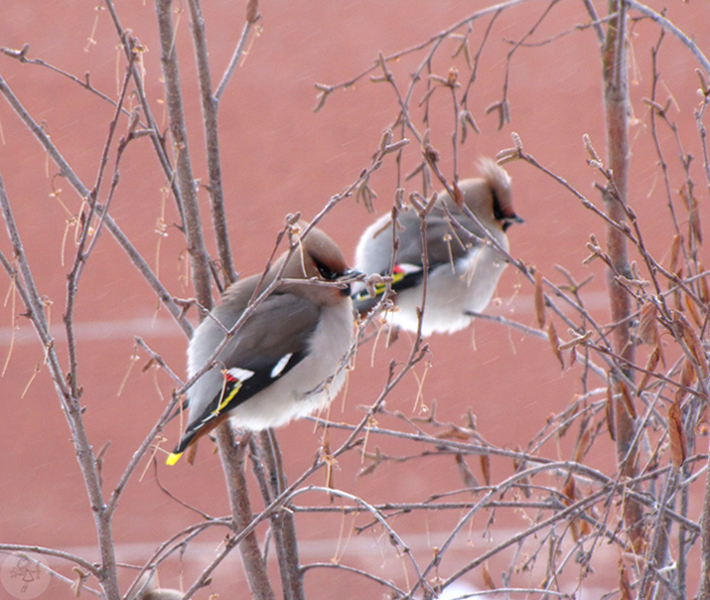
(497, 210)
(326, 272)
(506, 219)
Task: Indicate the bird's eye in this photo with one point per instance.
(325, 271)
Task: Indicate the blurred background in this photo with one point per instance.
(279, 157)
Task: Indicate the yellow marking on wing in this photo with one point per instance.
(381, 287)
(228, 398)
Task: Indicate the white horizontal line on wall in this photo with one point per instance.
(518, 308)
(96, 331)
(308, 550)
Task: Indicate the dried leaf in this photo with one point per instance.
(455, 433)
(585, 528)
(539, 300)
(569, 491)
(694, 225)
(687, 377)
(649, 368)
(677, 301)
(585, 441)
(468, 478)
(252, 11)
(555, 343)
(578, 526)
(486, 468)
(703, 84)
(676, 434)
(648, 329)
(683, 193)
(487, 579)
(624, 584)
(703, 286)
(628, 400)
(610, 423)
(470, 418)
(692, 342)
(693, 311)
(675, 253)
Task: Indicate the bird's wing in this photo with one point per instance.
(271, 342)
(446, 243)
(450, 236)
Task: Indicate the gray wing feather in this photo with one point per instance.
(444, 241)
(281, 324)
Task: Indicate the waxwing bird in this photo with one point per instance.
(283, 362)
(464, 267)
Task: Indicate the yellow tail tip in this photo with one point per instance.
(173, 458)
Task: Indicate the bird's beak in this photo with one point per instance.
(508, 221)
(349, 276)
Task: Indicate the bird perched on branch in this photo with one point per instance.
(464, 263)
(285, 360)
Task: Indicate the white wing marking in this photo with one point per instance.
(281, 365)
(240, 374)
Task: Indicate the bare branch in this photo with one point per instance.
(210, 104)
(193, 228)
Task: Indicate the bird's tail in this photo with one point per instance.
(191, 437)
